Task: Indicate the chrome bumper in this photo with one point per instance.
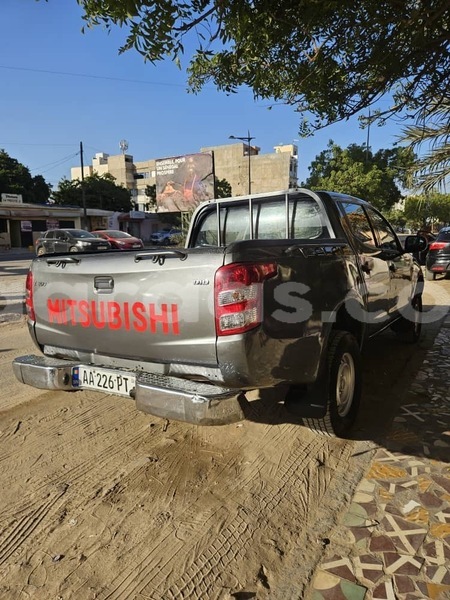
(158, 395)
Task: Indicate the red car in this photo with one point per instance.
(120, 240)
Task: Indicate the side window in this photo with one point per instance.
(386, 236)
(207, 234)
(359, 225)
(307, 220)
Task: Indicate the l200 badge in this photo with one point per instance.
(201, 281)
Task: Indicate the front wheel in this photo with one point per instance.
(73, 249)
(341, 388)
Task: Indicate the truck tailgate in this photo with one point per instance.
(154, 305)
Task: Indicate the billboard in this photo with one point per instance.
(182, 182)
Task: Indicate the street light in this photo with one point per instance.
(246, 138)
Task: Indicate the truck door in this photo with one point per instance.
(399, 262)
(376, 271)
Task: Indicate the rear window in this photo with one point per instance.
(306, 220)
(443, 236)
(80, 233)
(117, 234)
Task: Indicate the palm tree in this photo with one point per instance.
(431, 170)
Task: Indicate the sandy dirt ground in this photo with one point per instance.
(99, 501)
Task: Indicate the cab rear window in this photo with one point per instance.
(303, 219)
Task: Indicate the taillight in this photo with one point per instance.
(239, 296)
(437, 245)
(29, 304)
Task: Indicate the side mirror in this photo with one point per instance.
(415, 243)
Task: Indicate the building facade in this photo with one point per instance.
(248, 171)
(242, 165)
(21, 223)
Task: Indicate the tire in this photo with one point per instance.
(410, 329)
(429, 275)
(73, 249)
(341, 388)
(40, 251)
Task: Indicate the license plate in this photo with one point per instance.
(136, 245)
(104, 380)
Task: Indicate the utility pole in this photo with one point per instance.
(83, 192)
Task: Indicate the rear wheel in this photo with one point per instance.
(73, 249)
(341, 388)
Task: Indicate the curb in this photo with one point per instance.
(393, 541)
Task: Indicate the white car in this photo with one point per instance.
(165, 236)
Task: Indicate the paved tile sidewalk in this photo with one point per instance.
(393, 543)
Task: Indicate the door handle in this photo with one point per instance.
(103, 283)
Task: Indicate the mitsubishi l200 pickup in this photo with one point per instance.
(277, 289)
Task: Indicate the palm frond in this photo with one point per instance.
(431, 170)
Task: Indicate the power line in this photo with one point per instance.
(31, 144)
(3, 144)
(56, 163)
(48, 72)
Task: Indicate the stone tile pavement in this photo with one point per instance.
(393, 543)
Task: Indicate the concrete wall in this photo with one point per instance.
(268, 172)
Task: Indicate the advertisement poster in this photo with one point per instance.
(26, 226)
(183, 182)
(52, 224)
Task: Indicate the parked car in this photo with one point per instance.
(438, 257)
(120, 240)
(165, 236)
(69, 240)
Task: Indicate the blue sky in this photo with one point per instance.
(60, 87)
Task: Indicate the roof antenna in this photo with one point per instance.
(123, 145)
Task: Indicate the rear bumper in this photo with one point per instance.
(439, 267)
(438, 264)
(158, 395)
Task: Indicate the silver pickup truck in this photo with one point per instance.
(278, 289)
